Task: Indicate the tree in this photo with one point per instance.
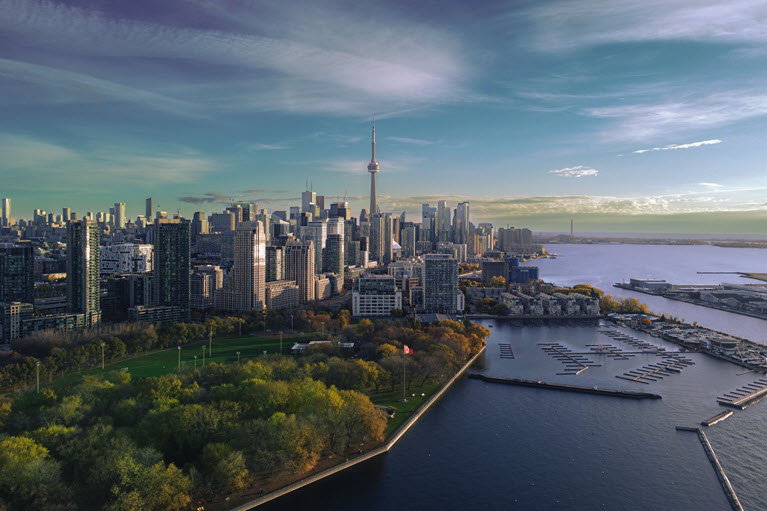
(144, 484)
(224, 467)
(29, 478)
(498, 281)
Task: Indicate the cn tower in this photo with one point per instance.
(373, 169)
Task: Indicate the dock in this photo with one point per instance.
(574, 363)
(654, 372)
(716, 419)
(569, 388)
(506, 351)
(729, 492)
(745, 396)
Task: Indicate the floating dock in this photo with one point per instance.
(575, 363)
(506, 351)
(560, 386)
(654, 372)
(716, 419)
(745, 396)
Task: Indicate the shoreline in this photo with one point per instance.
(301, 483)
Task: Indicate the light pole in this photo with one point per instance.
(280, 342)
(195, 362)
(203, 355)
(238, 359)
(291, 324)
(210, 345)
(102, 354)
(38, 376)
(179, 357)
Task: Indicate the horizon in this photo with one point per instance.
(630, 118)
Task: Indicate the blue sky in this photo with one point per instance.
(628, 116)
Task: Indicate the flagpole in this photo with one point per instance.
(404, 400)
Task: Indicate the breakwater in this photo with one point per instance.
(365, 456)
(568, 388)
(720, 474)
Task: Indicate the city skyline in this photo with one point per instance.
(646, 118)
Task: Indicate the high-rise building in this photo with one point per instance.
(334, 255)
(119, 215)
(66, 215)
(149, 209)
(461, 223)
(443, 221)
(265, 219)
(377, 238)
(249, 212)
(83, 270)
(299, 267)
(121, 258)
(440, 284)
(199, 226)
(340, 210)
(237, 210)
(428, 223)
(243, 288)
(373, 169)
(308, 201)
(5, 220)
(275, 263)
(203, 283)
(223, 222)
(317, 231)
(170, 285)
(17, 282)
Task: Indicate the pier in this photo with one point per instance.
(654, 372)
(506, 351)
(716, 419)
(561, 386)
(745, 396)
(720, 474)
(575, 364)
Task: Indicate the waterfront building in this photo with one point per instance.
(17, 283)
(83, 270)
(299, 267)
(172, 265)
(243, 288)
(441, 294)
(375, 295)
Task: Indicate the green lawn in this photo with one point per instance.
(403, 410)
(225, 349)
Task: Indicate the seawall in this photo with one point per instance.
(368, 455)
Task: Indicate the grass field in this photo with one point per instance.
(225, 349)
(403, 410)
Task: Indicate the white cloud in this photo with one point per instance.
(266, 147)
(411, 141)
(711, 185)
(671, 147)
(566, 25)
(344, 64)
(577, 171)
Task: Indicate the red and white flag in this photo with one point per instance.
(408, 351)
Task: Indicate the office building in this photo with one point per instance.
(12, 317)
(275, 263)
(461, 223)
(83, 270)
(334, 255)
(200, 225)
(149, 212)
(66, 215)
(17, 282)
(243, 288)
(317, 231)
(223, 222)
(171, 265)
(5, 220)
(203, 284)
(119, 215)
(308, 201)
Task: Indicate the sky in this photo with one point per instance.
(631, 116)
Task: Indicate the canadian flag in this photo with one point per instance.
(408, 351)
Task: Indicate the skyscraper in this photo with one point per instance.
(316, 230)
(376, 242)
(171, 264)
(244, 286)
(443, 221)
(308, 201)
(299, 267)
(17, 282)
(119, 215)
(5, 221)
(149, 210)
(373, 169)
(461, 223)
(66, 215)
(334, 256)
(83, 270)
(440, 283)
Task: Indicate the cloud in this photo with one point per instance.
(671, 147)
(346, 63)
(411, 141)
(566, 26)
(702, 111)
(711, 185)
(22, 152)
(266, 147)
(577, 171)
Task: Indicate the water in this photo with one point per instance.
(604, 265)
(489, 446)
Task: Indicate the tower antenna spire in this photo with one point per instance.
(373, 169)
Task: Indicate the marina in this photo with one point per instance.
(654, 372)
(743, 397)
(575, 363)
(506, 351)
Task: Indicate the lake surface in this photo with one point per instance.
(604, 265)
(489, 446)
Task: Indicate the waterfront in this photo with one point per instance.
(604, 265)
(487, 446)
